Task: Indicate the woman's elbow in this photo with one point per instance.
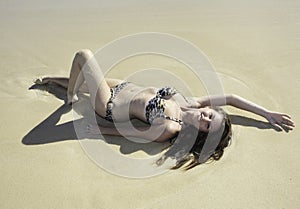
(231, 98)
(170, 131)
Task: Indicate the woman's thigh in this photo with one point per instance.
(112, 82)
(94, 79)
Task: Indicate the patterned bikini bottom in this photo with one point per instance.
(114, 91)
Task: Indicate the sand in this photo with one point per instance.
(255, 48)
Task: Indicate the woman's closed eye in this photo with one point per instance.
(210, 117)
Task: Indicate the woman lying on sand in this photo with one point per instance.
(167, 114)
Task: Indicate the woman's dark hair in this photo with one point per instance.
(197, 147)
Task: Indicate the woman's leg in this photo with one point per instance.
(86, 68)
(61, 81)
(64, 82)
(112, 82)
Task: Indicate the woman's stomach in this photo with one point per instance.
(131, 103)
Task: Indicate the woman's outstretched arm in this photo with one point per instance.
(279, 120)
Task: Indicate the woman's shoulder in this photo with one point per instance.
(187, 102)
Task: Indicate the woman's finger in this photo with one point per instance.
(276, 126)
(287, 128)
(288, 121)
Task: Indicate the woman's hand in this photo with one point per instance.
(280, 121)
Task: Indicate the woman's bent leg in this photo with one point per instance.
(61, 81)
(86, 68)
(112, 82)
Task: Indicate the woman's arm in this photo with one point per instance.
(158, 133)
(279, 120)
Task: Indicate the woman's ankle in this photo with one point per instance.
(72, 98)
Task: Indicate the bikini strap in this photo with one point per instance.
(173, 119)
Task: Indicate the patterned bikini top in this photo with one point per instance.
(156, 106)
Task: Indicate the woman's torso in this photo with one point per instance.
(131, 103)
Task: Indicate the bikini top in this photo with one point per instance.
(156, 106)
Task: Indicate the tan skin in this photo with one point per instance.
(135, 98)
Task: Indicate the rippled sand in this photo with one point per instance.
(255, 48)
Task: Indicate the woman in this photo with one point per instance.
(201, 131)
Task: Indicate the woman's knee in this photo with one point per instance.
(83, 55)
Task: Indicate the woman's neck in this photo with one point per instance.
(188, 115)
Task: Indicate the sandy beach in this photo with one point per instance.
(254, 47)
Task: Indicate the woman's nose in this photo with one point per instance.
(206, 118)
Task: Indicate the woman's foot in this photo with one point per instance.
(41, 81)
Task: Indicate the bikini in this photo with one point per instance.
(114, 91)
(155, 107)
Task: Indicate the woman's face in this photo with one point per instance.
(208, 120)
